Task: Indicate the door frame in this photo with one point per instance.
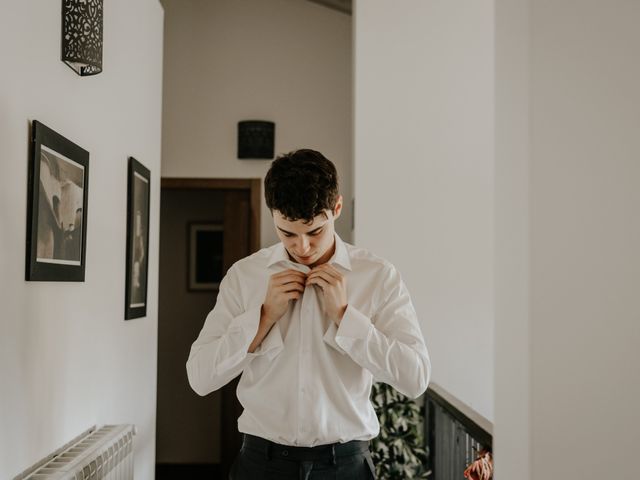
(253, 185)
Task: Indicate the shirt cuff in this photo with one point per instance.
(353, 326)
(330, 338)
(249, 323)
(271, 345)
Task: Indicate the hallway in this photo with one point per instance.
(488, 149)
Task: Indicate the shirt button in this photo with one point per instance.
(285, 453)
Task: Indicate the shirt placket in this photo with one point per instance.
(304, 365)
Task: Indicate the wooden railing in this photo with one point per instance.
(454, 434)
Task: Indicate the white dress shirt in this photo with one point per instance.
(309, 381)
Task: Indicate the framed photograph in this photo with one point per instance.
(138, 195)
(205, 256)
(57, 207)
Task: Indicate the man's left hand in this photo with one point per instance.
(334, 289)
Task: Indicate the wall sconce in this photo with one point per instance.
(82, 36)
(256, 139)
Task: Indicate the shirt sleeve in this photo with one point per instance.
(220, 353)
(390, 344)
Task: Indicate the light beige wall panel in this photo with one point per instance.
(280, 60)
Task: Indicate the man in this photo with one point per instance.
(309, 322)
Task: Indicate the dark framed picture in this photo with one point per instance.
(205, 256)
(57, 207)
(138, 195)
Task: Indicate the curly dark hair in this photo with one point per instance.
(301, 185)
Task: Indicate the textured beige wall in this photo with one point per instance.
(280, 60)
(512, 356)
(585, 235)
(568, 270)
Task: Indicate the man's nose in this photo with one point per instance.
(304, 244)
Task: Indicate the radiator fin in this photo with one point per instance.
(104, 453)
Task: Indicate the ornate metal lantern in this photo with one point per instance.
(82, 36)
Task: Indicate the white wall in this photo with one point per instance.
(567, 88)
(585, 238)
(512, 425)
(68, 360)
(567, 186)
(424, 173)
(288, 61)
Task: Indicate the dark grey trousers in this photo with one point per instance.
(260, 459)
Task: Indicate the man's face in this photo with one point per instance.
(309, 244)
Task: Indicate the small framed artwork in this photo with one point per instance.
(57, 207)
(138, 195)
(205, 256)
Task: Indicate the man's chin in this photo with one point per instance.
(301, 260)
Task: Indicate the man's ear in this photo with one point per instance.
(337, 210)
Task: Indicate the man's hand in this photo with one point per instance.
(334, 290)
(283, 287)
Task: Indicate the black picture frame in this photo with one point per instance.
(205, 245)
(137, 263)
(58, 192)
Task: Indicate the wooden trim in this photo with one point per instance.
(254, 185)
(255, 203)
(210, 183)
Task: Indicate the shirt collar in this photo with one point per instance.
(340, 256)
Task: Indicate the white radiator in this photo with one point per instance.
(99, 453)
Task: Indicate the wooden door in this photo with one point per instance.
(237, 204)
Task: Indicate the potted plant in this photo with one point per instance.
(398, 452)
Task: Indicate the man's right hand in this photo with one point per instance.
(283, 287)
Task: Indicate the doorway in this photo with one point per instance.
(197, 437)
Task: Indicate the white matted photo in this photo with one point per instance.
(60, 212)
